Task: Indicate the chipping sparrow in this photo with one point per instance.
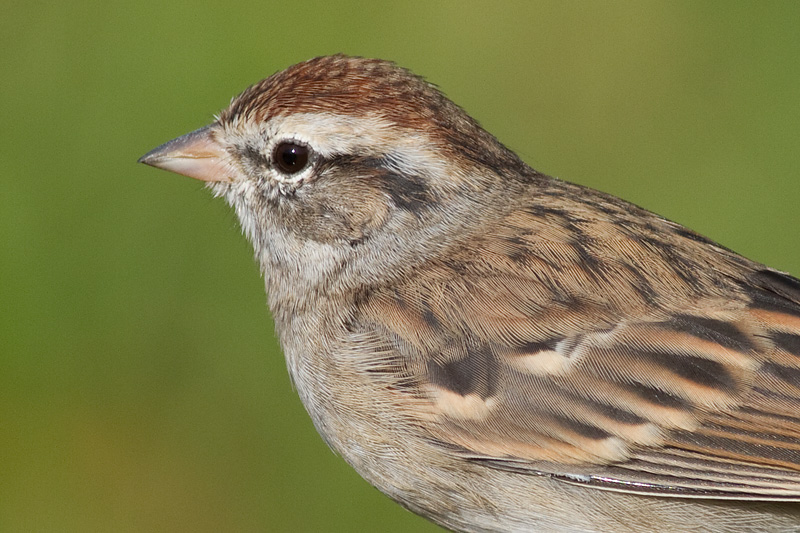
(495, 349)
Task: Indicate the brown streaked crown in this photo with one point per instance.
(343, 85)
(361, 87)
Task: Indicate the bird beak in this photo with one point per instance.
(196, 154)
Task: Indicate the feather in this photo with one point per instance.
(661, 365)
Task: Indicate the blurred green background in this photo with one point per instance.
(141, 386)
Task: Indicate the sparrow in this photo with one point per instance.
(493, 348)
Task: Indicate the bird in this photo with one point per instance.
(493, 348)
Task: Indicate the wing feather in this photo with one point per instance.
(660, 365)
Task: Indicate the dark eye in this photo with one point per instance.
(291, 157)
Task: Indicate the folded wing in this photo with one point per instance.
(661, 365)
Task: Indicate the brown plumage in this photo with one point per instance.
(493, 348)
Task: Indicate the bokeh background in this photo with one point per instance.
(141, 386)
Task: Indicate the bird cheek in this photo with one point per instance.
(371, 216)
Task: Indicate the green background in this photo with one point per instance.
(141, 386)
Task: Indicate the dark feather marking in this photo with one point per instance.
(696, 237)
(779, 283)
(477, 372)
(756, 452)
(358, 241)
(407, 191)
(684, 268)
(749, 435)
(769, 301)
(790, 402)
(650, 228)
(719, 331)
(588, 261)
(643, 285)
(520, 254)
(615, 413)
(517, 241)
(605, 203)
(582, 428)
(681, 266)
(656, 396)
(610, 411)
(787, 341)
(786, 373)
(430, 317)
(791, 420)
(533, 347)
(699, 370)
(523, 254)
(256, 158)
(541, 210)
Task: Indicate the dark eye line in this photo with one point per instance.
(258, 159)
(407, 191)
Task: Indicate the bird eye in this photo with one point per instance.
(291, 157)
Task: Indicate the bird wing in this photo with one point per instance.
(647, 361)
